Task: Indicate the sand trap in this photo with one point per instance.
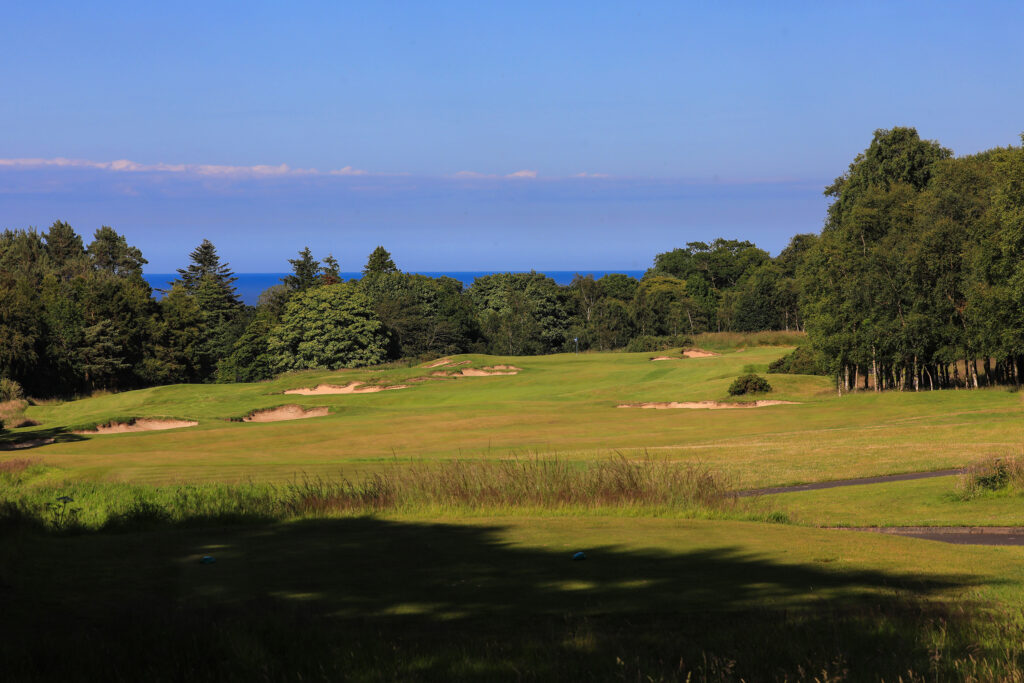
(488, 371)
(664, 358)
(698, 353)
(31, 443)
(140, 425)
(281, 413)
(438, 363)
(705, 405)
(350, 388)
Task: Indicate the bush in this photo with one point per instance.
(10, 390)
(646, 342)
(800, 361)
(749, 384)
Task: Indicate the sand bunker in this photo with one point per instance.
(140, 425)
(438, 363)
(30, 443)
(281, 413)
(487, 371)
(664, 358)
(705, 405)
(698, 353)
(350, 388)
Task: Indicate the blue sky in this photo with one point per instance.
(472, 136)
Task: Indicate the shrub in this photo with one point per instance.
(646, 342)
(10, 390)
(994, 474)
(800, 361)
(749, 384)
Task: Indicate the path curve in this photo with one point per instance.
(861, 481)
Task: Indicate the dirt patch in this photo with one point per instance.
(141, 425)
(704, 405)
(438, 363)
(281, 413)
(698, 353)
(29, 443)
(350, 388)
(664, 358)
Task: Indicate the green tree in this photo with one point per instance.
(305, 272)
(327, 327)
(379, 263)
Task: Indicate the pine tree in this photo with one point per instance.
(330, 271)
(305, 271)
(379, 262)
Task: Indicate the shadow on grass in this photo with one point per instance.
(374, 599)
(34, 438)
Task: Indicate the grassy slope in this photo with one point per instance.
(563, 404)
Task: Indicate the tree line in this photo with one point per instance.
(915, 281)
(76, 317)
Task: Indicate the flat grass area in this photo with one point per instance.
(928, 502)
(556, 406)
(434, 598)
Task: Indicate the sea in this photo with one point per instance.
(251, 285)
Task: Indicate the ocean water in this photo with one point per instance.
(251, 285)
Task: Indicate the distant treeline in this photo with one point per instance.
(75, 317)
(915, 280)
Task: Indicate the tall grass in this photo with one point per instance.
(735, 340)
(991, 475)
(464, 486)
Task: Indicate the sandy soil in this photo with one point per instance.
(698, 353)
(438, 363)
(280, 413)
(141, 425)
(489, 371)
(350, 388)
(664, 358)
(707, 405)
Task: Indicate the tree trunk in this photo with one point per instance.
(874, 369)
(917, 385)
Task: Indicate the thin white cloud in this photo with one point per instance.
(211, 170)
(525, 173)
(590, 175)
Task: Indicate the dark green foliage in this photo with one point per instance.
(749, 384)
(328, 327)
(800, 361)
(305, 272)
(379, 263)
(522, 313)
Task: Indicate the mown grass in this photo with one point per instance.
(561, 405)
(424, 598)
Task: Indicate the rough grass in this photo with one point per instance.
(616, 486)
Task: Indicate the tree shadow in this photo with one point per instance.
(369, 598)
(28, 439)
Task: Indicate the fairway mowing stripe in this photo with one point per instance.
(861, 481)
